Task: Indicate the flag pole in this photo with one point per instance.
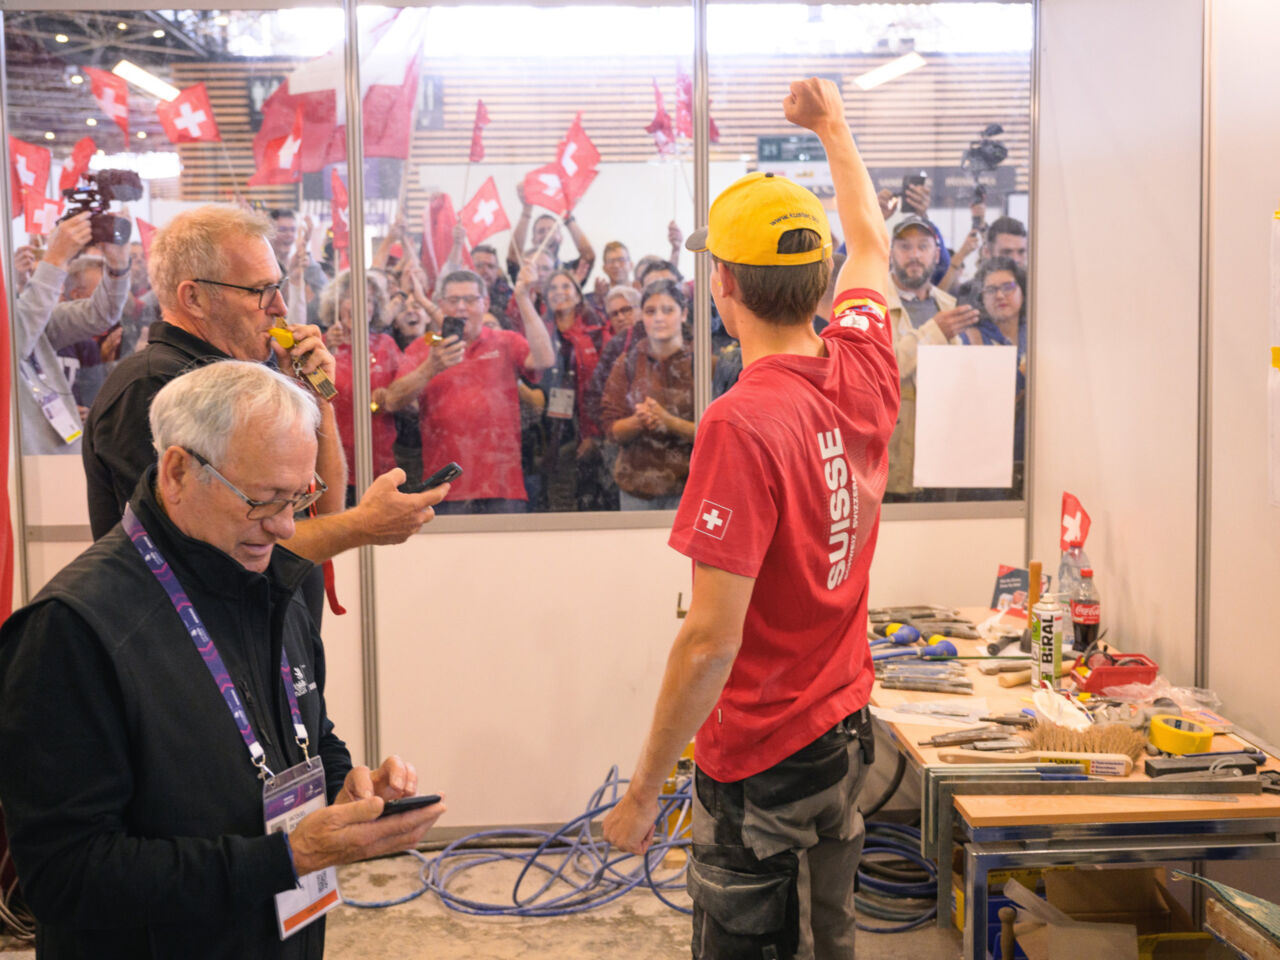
(231, 171)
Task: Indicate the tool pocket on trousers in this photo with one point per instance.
(744, 908)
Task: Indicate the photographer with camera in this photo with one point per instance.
(49, 418)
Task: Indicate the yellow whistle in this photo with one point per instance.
(432, 337)
(282, 336)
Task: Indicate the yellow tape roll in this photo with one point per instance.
(1178, 735)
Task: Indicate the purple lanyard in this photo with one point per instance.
(160, 568)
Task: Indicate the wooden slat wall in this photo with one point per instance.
(926, 118)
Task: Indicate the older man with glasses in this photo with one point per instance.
(142, 822)
(218, 282)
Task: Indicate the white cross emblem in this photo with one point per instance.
(24, 174)
(109, 105)
(566, 159)
(287, 150)
(713, 519)
(550, 183)
(1071, 527)
(46, 217)
(189, 120)
(484, 212)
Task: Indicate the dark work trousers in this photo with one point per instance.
(774, 855)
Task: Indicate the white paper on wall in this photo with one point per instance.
(964, 416)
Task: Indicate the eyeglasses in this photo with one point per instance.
(469, 301)
(621, 311)
(266, 293)
(1005, 288)
(264, 509)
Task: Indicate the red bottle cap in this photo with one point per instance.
(1087, 572)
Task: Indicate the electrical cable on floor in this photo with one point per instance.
(580, 872)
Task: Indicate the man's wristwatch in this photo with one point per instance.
(123, 271)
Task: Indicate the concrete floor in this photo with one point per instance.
(637, 926)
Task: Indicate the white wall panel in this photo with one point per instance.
(1116, 306)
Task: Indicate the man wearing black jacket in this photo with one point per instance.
(131, 786)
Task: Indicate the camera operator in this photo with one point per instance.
(50, 421)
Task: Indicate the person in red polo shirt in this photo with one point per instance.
(468, 406)
(780, 516)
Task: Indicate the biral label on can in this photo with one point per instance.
(1046, 643)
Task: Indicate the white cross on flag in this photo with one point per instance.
(28, 172)
(713, 519)
(282, 160)
(544, 187)
(41, 214)
(483, 215)
(188, 118)
(112, 94)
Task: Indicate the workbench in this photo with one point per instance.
(1009, 819)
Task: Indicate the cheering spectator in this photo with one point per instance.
(622, 313)
(485, 260)
(384, 363)
(617, 270)
(313, 276)
(544, 265)
(572, 459)
(469, 405)
(579, 268)
(648, 404)
(407, 325)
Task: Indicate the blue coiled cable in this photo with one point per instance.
(591, 873)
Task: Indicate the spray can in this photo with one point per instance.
(1046, 641)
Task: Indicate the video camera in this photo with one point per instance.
(984, 154)
(104, 186)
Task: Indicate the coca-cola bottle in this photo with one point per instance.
(1086, 610)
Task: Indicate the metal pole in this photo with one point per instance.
(1029, 445)
(11, 293)
(360, 374)
(701, 202)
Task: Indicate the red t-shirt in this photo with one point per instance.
(384, 362)
(788, 471)
(471, 413)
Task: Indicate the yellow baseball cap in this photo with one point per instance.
(750, 216)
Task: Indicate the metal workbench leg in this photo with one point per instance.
(975, 904)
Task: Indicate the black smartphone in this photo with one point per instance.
(453, 327)
(405, 804)
(446, 474)
(912, 180)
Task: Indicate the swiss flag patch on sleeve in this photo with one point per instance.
(713, 519)
(859, 309)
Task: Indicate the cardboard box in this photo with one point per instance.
(1095, 913)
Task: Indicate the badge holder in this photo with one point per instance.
(286, 799)
(560, 403)
(62, 418)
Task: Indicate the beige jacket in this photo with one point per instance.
(906, 343)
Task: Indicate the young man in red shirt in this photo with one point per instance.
(780, 516)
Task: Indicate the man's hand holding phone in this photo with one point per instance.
(960, 317)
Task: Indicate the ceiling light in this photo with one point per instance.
(77, 79)
(157, 34)
(142, 134)
(889, 71)
(48, 134)
(62, 38)
(90, 122)
(222, 21)
(122, 25)
(145, 80)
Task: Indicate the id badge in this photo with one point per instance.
(286, 799)
(53, 405)
(560, 403)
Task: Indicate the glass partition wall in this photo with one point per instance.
(528, 177)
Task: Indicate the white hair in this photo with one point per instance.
(626, 292)
(201, 409)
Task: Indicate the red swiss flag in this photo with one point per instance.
(579, 159)
(145, 232)
(388, 110)
(41, 214)
(1075, 522)
(483, 215)
(112, 94)
(78, 163)
(341, 202)
(477, 138)
(684, 109)
(281, 161)
(188, 118)
(28, 172)
(664, 136)
(544, 187)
